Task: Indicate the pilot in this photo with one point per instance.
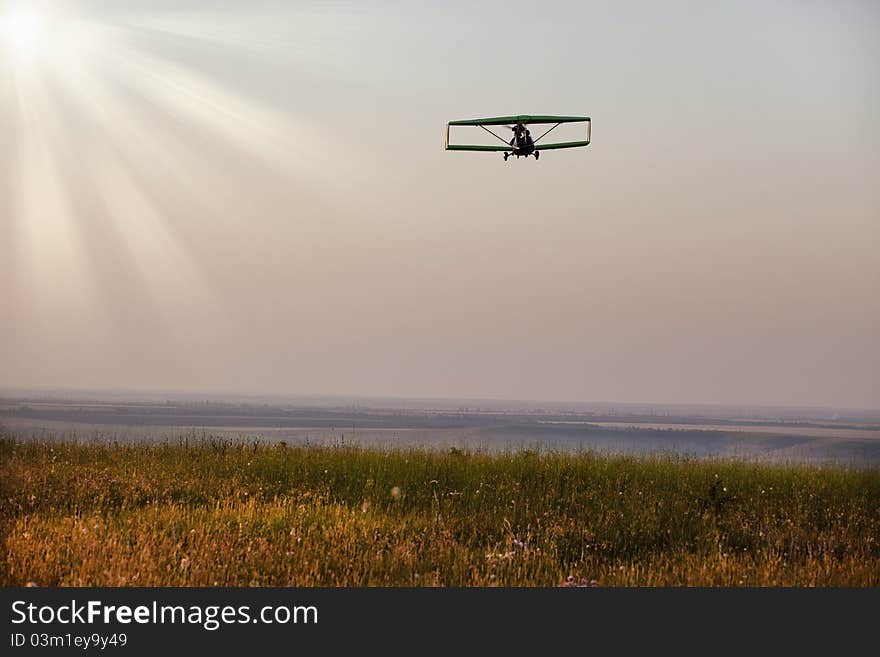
(527, 140)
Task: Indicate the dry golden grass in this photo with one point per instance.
(219, 514)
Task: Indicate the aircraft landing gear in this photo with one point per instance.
(536, 154)
(506, 155)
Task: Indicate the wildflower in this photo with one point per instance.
(395, 492)
(365, 506)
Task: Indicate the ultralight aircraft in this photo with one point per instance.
(522, 144)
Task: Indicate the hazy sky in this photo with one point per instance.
(253, 197)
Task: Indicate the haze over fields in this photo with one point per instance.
(252, 197)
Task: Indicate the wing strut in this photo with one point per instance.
(506, 143)
(545, 134)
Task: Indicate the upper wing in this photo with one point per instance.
(525, 119)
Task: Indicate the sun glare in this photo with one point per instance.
(109, 126)
(21, 31)
(45, 34)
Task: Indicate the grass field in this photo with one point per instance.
(216, 513)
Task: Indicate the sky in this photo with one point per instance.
(253, 197)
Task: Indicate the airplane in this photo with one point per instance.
(522, 144)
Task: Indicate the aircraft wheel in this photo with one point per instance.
(536, 154)
(506, 155)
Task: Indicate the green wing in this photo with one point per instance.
(538, 147)
(562, 144)
(476, 147)
(525, 119)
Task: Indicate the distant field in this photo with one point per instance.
(782, 430)
(214, 513)
(803, 441)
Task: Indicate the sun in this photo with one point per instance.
(21, 31)
(53, 37)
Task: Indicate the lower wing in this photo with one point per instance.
(562, 144)
(475, 147)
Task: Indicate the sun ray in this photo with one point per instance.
(255, 129)
(58, 282)
(156, 253)
(129, 143)
(314, 38)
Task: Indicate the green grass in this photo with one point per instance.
(218, 513)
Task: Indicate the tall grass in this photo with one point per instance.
(221, 513)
